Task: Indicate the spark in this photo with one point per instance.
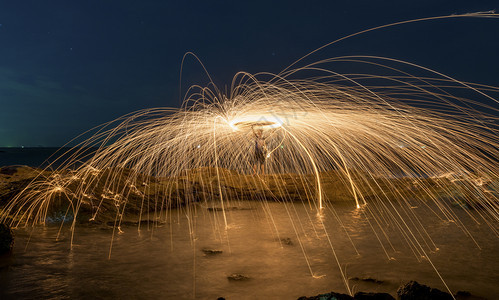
(380, 141)
(333, 132)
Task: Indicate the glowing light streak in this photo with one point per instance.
(326, 133)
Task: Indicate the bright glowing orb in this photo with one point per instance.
(256, 122)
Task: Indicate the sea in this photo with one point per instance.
(262, 250)
(37, 157)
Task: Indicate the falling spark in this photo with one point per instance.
(407, 140)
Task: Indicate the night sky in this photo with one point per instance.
(67, 66)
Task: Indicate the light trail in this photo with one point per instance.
(387, 139)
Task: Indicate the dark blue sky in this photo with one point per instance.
(67, 66)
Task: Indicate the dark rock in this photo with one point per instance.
(221, 209)
(287, 241)
(237, 277)
(465, 295)
(415, 291)
(151, 222)
(6, 239)
(228, 208)
(328, 296)
(122, 223)
(373, 296)
(220, 298)
(125, 223)
(8, 170)
(211, 251)
(367, 279)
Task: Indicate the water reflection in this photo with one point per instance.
(286, 250)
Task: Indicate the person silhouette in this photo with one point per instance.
(260, 151)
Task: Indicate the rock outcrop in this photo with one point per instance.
(6, 239)
(372, 296)
(415, 291)
(328, 296)
(105, 195)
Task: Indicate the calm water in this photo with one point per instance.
(168, 262)
(34, 157)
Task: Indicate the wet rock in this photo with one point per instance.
(126, 223)
(358, 296)
(373, 296)
(6, 239)
(59, 216)
(122, 223)
(221, 209)
(237, 277)
(415, 291)
(227, 208)
(211, 251)
(465, 295)
(328, 296)
(287, 241)
(151, 222)
(367, 279)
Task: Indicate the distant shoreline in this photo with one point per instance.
(37, 157)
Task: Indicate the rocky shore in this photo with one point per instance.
(409, 291)
(102, 195)
(6, 239)
(98, 205)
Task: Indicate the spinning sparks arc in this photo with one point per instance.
(369, 139)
